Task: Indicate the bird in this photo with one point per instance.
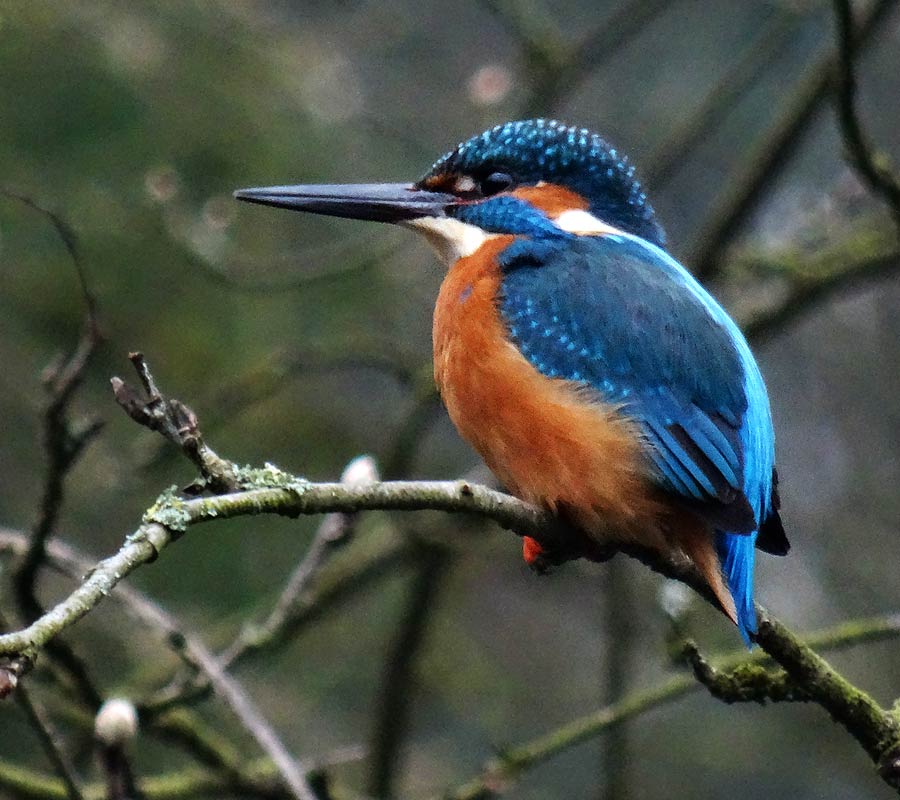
(594, 375)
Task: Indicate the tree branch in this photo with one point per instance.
(46, 731)
(64, 443)
(501, 772)
(398, 685)
(269, 490)
(807, 293)
(769, 156)
(876, 174)
(876, 730)
(675, 148)
(556, 67)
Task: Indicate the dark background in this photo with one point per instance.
(135, 121)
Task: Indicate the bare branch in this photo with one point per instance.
(876, 730)
(880, 179)
(398, 684)
(744, 683)
(500, 773)
(64, 443)
(175, 422)
(556, 67)
(180, 727)
(334, 532)
(286, 495)
(291, 496)
(808, 293)
(768, 158)
(674, 150)
(252, 720)
(46, 731)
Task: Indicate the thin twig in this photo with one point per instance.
(879, 178)
(195, 653)
(372, 562)
(253, 721)
(398, 684)
(334, 532)
(174, 421)
(64, 443)
(46, 731)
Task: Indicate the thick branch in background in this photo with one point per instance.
(679, 143)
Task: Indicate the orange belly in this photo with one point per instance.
(545, 439)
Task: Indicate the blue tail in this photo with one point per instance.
(737, 553)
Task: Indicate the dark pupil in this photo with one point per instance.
(495, 182)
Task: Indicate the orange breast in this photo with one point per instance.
(545, 439)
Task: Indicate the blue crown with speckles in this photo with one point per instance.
(546, 150)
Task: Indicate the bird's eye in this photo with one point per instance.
(495, 183)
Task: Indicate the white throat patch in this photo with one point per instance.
(451, 238)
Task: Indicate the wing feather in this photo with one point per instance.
(605, 311)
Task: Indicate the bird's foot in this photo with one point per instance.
(535, 555)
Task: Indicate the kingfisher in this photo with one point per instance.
(592, 373)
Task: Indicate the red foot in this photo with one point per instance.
(532, 551)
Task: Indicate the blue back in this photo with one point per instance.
(620, 315)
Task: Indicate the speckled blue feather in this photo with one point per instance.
(546, 150)
(623, 317)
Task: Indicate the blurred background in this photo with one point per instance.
(306, 342)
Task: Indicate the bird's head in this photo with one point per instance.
(531, 177)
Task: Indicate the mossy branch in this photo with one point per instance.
(270, 490)
(736, 677)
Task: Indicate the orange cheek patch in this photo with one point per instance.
(553, 200)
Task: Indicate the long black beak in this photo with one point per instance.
(381, 202)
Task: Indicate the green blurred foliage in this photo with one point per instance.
(135, 121)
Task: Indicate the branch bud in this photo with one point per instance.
(116, 722)
(360, 471)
